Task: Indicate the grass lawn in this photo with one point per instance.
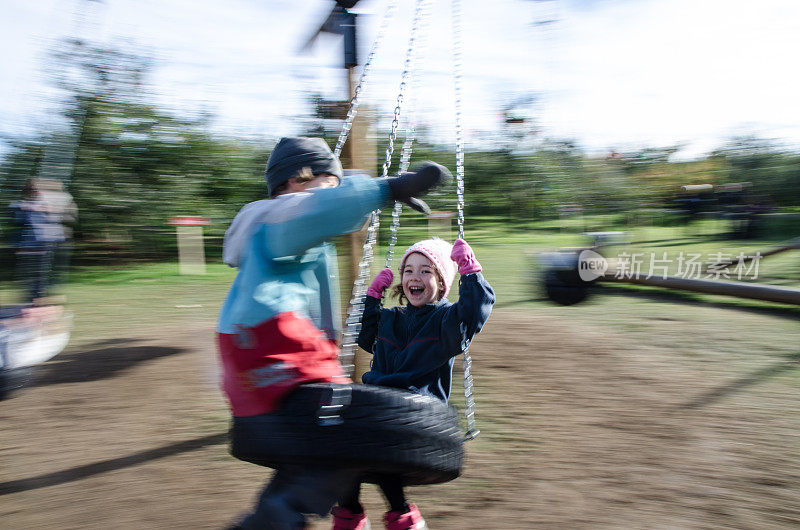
(636, 408)
(108, 300)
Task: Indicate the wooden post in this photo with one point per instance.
(360, 152)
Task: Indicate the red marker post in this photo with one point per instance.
(191, 253)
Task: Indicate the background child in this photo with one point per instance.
(278, 325)
(414, 346)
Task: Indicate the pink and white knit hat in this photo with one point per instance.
(438, 251)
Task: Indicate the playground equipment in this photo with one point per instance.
(29, 336)
(366, 428)
(767, 293)
(732, 201)
(564, 284)
(356, 305)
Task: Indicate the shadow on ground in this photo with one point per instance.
(98, 361)
(113, 464)
(792, 362)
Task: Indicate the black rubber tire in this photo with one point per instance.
(561, 288)
(382, 430)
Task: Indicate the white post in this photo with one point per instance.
(191, 253)
(440, 224)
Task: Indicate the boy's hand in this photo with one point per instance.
(463, 255)
(408, 186)
(380, 283)
(418, 205)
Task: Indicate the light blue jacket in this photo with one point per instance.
(284, 263)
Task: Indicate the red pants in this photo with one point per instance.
(263, 363)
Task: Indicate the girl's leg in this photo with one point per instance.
(392, 487)
(401, 515)
(351, 499)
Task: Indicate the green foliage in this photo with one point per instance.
(133, 166)
(774, 173)
(130, 166)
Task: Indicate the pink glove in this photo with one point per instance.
(380, 283)
(465, 257)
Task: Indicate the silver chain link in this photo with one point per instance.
(387, 162)
(356, 305)
(457, 76)
(410, 136)
(352, 323)
(405, 160)
(466, 361)
(396, 211)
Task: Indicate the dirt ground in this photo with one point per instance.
(579, 430)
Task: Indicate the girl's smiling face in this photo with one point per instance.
(421, 284)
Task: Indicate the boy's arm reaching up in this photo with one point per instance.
(291, 224)
(300, 221)
(296, 222)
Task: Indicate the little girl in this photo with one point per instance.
(414, 346)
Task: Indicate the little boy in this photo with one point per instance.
(279, 323)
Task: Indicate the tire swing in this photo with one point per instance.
(372, 429)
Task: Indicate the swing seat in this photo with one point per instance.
(560, 278)
(378, 430)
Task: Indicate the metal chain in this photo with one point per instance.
(355, 100)
(396, 211)
(405, 159)
(466, 361)
(387, 162)
(457, 76)
(410, 138)
(356, 305)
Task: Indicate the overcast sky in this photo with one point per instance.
(611, 74)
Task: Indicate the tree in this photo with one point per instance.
(132, 164)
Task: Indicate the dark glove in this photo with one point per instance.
(408, 186)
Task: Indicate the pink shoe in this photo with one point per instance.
(411, 520)
(344, 519)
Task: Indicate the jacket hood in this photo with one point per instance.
(242, 229)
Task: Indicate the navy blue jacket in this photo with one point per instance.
(36, 226)
(413, 347)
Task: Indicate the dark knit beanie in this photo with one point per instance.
(293, 154)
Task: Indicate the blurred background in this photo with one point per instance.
(146, 110)
(629, 127)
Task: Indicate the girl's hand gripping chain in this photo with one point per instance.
(463, 255)
(380, 283)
